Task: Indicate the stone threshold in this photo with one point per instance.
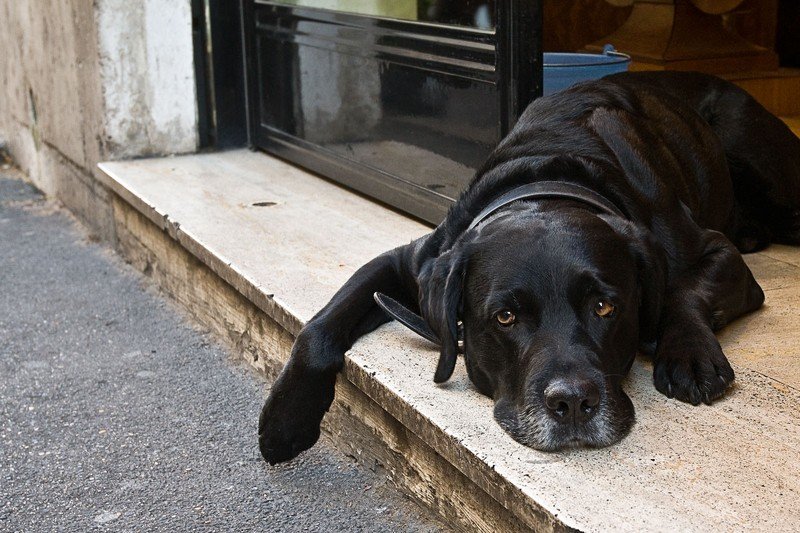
(236, 229)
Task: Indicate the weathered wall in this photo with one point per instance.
(147, 76)
(84, 81)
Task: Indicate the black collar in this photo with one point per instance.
(541, 189)
(549, 189)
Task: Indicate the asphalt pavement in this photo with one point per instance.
(118, 414)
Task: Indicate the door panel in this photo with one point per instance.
(400, 110)
(472, 13)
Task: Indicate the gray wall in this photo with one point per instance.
(85, 81)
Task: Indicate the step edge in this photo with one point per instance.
(444, 443)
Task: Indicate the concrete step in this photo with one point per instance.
(254, 246)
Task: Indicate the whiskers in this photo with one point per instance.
(535, 426)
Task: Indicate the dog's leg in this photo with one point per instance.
(718, 288)
(303, 392)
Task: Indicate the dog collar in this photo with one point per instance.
(549, 189)
(540, 189)
(413, 321)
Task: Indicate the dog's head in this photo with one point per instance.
(554, 306)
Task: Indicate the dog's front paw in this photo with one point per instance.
(290, 419)
(692, 369)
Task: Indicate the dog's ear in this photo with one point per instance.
(651, 262)
(441, 282)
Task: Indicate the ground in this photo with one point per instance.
(116, 413)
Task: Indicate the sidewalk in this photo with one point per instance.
(116, 414)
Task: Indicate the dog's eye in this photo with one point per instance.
(506, 318)
(603, 308)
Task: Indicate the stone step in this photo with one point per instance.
(253, 246)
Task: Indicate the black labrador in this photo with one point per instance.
(610, 220)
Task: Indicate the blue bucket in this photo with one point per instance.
(562, 70)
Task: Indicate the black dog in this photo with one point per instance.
(607, 222)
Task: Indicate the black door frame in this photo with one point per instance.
(219, 74)
(517, 75)
(519, 65)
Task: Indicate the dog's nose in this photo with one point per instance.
(572, 400)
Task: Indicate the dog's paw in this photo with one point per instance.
(692, 370)
(291, 417)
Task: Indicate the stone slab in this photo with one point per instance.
(734, 465)
(357, 425)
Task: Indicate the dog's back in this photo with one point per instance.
(762, 153)
(689, 135)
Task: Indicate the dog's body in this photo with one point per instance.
(557, 293)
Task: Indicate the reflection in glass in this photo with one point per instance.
(410, 110)
(420, 125)
(471, 13)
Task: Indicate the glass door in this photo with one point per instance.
(399, 99)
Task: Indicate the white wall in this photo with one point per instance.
(85, 81)
(147, 76)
